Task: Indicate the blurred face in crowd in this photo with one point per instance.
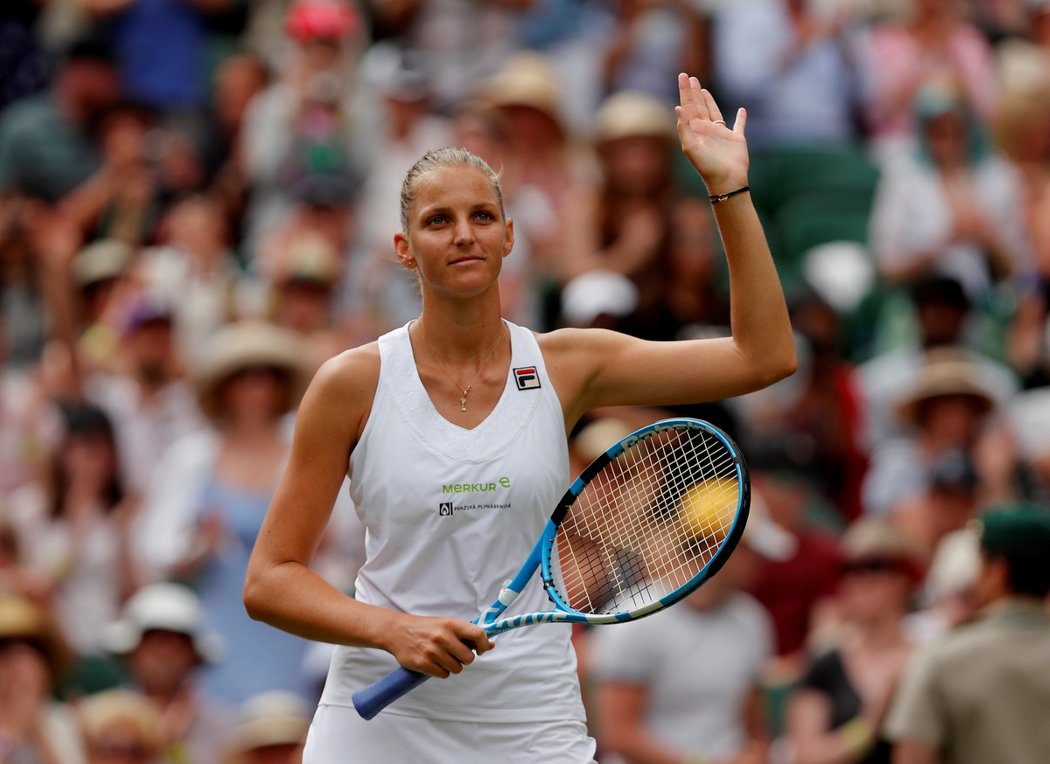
(163, 661)
(636, 165)
(151, 347)
(88, 89)
(951, 420)
(89, 458)
(872, 587)
(237, 82)
(947, 139)
(255, 393)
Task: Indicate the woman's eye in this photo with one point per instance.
(486, 216)
(437, 220)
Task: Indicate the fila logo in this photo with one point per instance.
(527, 378)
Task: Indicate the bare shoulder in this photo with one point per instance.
(345, 383)
(574, 358)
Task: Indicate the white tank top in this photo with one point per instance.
(450, 514)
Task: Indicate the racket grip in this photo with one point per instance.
(381, 693)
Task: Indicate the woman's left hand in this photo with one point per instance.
(718, 153)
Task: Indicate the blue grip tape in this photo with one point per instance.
(378, 695)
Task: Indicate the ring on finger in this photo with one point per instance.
(720, 122)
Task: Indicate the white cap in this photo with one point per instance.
(597, 293)
(164, 607)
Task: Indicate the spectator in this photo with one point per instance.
(74, 528)
(304, 296)
(798, 72)
(311, 124)
(947, 409)
(120, 726)
(161, 45)
(837, 711)
(166, 644)
(148, 401)
(943, 317)
(201, 519)
(624, 223)
(33, 656)
(927, 40)
(48, 143)
(979, 694)
(659, 698)
(193, 271)
(953, 208)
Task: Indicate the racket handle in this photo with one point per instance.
(380, 694)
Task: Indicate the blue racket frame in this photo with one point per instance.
(370, 700)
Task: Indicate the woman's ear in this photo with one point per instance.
(404, 254)
(508, 243)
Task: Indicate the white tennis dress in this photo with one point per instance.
(450, 514)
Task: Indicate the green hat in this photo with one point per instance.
(1016, 527)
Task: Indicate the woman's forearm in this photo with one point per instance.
(758, 311)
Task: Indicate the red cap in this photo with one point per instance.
(310, 20)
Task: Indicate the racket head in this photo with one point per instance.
(647, 522)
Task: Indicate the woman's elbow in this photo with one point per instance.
(254, 593)
(775, 366)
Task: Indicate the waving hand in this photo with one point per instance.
(718, 152)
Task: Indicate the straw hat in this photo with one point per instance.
(118, 710)
(525, 79)
(633, 113)
(166, 607)
(268, 719)
(947, 371)
(21, 619)
(244, 345)
(878, 539)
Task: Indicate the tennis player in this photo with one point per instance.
(453, 430)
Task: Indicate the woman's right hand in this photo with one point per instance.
(434, 645)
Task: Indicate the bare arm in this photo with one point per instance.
(282, 590)
(594, 368)
(621, 708)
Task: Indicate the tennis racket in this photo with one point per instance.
(643, 526)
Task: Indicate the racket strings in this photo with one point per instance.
(648, 523)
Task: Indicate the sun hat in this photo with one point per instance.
(525, 79)
(947, 371)
(243, 345)
(633, 113)
(163, 607)
(270, 718)
(23, 620)
(115, 711)
(871, 539)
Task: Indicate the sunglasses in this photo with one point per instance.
(872, 566)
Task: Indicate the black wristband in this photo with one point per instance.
(716, 198)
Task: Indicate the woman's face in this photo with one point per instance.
(457, 236)
(89, 457)
(255, 393)
(636, 165)
(872, 587)
(947, 139)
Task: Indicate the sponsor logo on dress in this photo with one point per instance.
(527, 378)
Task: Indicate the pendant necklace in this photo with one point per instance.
(465, 388)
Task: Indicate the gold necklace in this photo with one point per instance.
(465, 388)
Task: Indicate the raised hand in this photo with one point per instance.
(718, 152)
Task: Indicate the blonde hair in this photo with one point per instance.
(450, 156)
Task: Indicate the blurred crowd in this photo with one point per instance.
(197, 205)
